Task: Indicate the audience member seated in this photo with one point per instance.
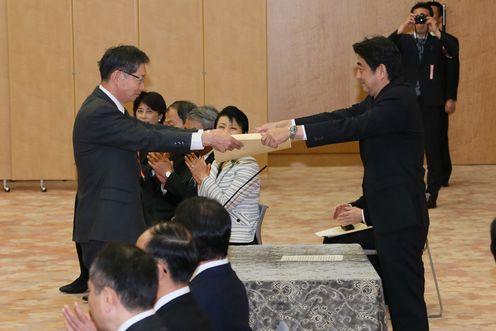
(174, 175)
(123, 285)
(177, 113)
(224, 182)
(215, 286)
(150, 107)
(171, 244)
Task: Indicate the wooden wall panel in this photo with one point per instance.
(171, 33)
(471, 127)
(311, 62)
(236, 57)
(41, 88)
(273, 59)
(99, 25)
(5, 156)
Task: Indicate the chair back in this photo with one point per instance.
(258, 235)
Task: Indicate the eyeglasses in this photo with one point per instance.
(140, 79)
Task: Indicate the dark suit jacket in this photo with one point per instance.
(181, 184)
(105, 143)
(389, 129)
(183, 314)
(431, 72)
(222, 297)
(150, 323)
(155, 208)
(452, 70)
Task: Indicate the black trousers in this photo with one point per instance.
(433, 129)
(400, 257)
(446, 166)
(90, 250)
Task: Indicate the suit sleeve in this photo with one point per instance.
(107, 126)
(362, 204)
(452, 75)
(181, 183)
(394, 37)
(386, 116)
(450, 44)
(353, 111)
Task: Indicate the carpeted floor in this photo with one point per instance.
(37, 254)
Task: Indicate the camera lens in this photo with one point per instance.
(420, 19)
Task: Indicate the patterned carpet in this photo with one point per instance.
(37, 255)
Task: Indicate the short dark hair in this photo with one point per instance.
(424, 5)
(437, 5)
(380, 50)
(129, 271)
(183, 108)
(209, 224)
(206, 115)
(173, 244)
(123, 57)
(233, 112)
(153, 100)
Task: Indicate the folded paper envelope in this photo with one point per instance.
(338, 231)
(252, 146)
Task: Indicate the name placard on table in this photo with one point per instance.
(311, 258)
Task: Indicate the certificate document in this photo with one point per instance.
(338, 231)
(252, 146)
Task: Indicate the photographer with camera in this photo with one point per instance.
(425, 51)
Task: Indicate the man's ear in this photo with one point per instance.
(382, 71)
(110, 299)
(116, 75)
(163, 269)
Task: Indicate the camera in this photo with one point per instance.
(420, 19)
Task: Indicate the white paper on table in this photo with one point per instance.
(311, 258)
(338, 231)
(252, 146)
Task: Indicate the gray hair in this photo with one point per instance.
(205, 115)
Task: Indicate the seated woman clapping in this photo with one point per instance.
(222, 181)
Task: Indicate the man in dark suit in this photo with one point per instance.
(425, 53)
(215, 286)
(171, 173)
(123, 285)
(106, 140)
(172, 246)
(451, 84)
(388, 125)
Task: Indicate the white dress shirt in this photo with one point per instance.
(135, 319)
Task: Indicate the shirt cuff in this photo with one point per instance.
(196, 141)
(363, 218)
(162, 188)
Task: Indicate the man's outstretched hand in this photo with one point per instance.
(220, 140)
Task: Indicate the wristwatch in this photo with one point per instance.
(292, 131)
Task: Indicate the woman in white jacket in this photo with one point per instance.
(222, 181)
